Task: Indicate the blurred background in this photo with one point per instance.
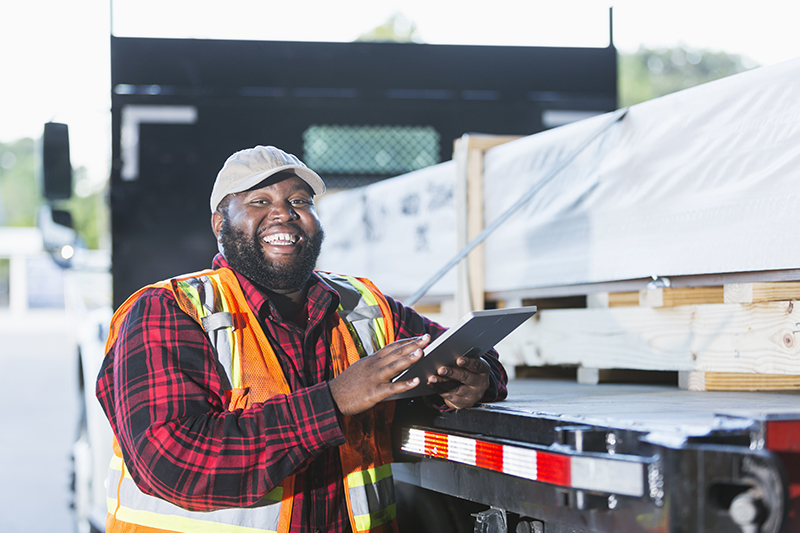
(56, 67)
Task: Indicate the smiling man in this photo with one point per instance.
(250, 397)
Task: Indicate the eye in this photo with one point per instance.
(300, 201)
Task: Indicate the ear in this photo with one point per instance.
(216, 223)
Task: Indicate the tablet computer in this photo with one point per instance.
(475, 334)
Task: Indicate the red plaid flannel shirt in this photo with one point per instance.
(162, 394)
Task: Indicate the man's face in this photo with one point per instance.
(272, 234)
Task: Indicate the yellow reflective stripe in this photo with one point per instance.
(116, 463)
(112, 482)
(236, 360)
(135, 507)
(193, 296)
(366, 522)
(369, 475)
(236, 356)
(181, 524)
(275, 494)
(219, 303)
(360, 498)
(371, 300)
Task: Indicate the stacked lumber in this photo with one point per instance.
(737, 336)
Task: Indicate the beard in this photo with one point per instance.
(245, 255)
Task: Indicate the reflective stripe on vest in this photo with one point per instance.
(149, 511)
(372, 497)
(215, 317)
(366, 322)
(361, 312)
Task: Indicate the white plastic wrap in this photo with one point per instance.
(706, 180)
(397, 232)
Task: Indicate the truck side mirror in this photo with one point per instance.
(56, 166)
(59, 239)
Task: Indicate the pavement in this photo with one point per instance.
(38, 381)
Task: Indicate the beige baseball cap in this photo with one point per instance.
(247, 168)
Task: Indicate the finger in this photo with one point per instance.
(403, 347)
(459, 374)
(474, 364)
(394, 366)
(444, 387)
(401, 386)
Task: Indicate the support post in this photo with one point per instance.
(468, 153)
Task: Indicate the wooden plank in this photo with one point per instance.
(475, 224)
(462, 298)
(756, 338)
(468, 153)
(681, 296)
(484, 141)
(623, 299)
(744, 293)
(695, 280)
(734, 381)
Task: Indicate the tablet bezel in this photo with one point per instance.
(476, 333)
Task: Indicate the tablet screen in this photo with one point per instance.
(475, 334)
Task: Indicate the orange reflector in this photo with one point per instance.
(488, 455)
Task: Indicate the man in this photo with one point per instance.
(251, 397)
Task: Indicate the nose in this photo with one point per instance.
(283, 211)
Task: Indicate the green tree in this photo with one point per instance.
(397, 28)
(650, 73)
(21, 195)
(19, 192)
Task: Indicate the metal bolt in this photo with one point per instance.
(655, 480)
(611, 443)
(612, 502)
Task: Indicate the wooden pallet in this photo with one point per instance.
(739, 336)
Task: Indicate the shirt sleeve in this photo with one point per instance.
(409, 323)
(163, 396)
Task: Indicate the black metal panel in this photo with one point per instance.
(263, 92)
(230, 65)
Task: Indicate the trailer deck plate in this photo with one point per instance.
(659, 409)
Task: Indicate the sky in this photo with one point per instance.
(55, 57)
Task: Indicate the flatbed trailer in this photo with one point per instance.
(560, 456)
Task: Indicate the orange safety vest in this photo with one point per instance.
(362, 325)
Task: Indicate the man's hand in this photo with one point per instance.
(368, 381)
(462, 385)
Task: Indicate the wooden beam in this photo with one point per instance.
(681, 296)
(468, 153)
(623, 299)
(475, 224)
(755, 338)
(732, 381)
(745, 293)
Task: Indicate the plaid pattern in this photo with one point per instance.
(161, 392)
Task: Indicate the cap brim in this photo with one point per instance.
(304, 173)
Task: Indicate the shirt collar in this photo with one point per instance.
(320, 294)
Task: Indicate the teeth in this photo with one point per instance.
(284, 239)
